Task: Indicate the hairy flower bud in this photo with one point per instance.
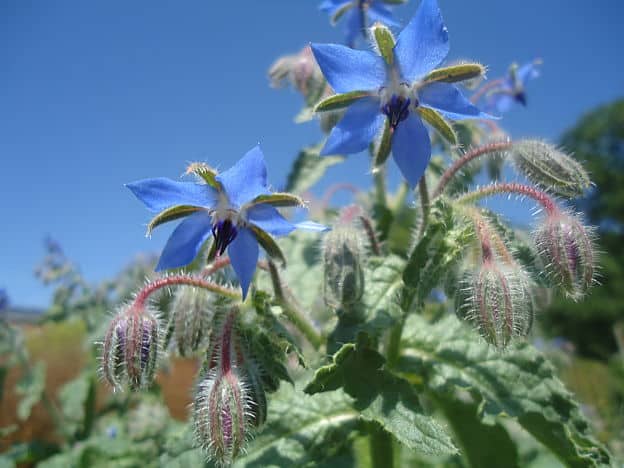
(300, 70)
(343, 281)
(497, 299)
(230, 398)
(192, 312)
(567, 250)
(550, 168)
(130, 348)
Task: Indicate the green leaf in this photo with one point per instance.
(308, 168)
(77, 399)
(279, 199)
(341, 11)
(206, 173)
(381, 396)
(170, 214)
(455, 73)
(385, 42)
(382, 149)
(268, 244)
(519, 383)
(30, 388)
(444, 128)
(340, 101)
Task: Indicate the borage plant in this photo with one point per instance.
(401, 340)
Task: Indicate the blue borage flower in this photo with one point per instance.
(236, 207)
(358, 15)
(511, 88)
(395, 86)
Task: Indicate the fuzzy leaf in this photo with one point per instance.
(340, 101)
(455, 73)
(519, 383)
(30, 387)
(206, 173)
(279, 199)
(77, 399)
(308, 168)
(385, 42)
(381, 396)
(444, 128)
(170, 214)
(382, 149)
(268, 244)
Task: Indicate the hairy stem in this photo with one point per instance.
(465, 159)
(381, 451)
(424, 204)
(520, 189)
(292, 309)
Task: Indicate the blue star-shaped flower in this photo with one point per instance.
(393, 89)
(511, 88)
(235, 207)
(358, 15)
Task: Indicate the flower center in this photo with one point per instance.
(224, 232)
(520, 96)
(396, 103)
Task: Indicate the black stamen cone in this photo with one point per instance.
(397, 109)
(224, 232)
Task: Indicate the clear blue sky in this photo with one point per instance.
(96, 94)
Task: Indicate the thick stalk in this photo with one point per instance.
(513, 188)
(292, 310)
(379, 177)
(381, 451)
(424, 204)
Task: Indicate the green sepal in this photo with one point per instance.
(206, 173)
(341, 11)
(385, 42)
(382, 149)
(394, 2)
(171, 214)
(268, 244)
(212, 253)
(340, 101)
(435, 119)
(280, 199)
(455, 73)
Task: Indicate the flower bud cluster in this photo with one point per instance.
(566, 247)
(230, 399)
(343, 277)
(497, 299)
(192, 311)
(130, 348)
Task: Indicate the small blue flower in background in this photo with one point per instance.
(502, 93)
(394, 91)
(358, 14)
(235, 207)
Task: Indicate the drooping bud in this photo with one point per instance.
(550, 168)
(567, 249)
(343, 277)
(497, 299)
(230, 399)
(130, 348)
(192, 312)
(300, 70)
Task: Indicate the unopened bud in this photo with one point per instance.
(300, 70)
(497, 300)
(130, 349)
(550, 168)
(343, 282)
(230, 399)
(192, 312)
(567, 250)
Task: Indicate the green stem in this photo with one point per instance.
(379, 177)
(424, 204)
(381, 452)
(292, 309)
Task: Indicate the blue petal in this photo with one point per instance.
(269, 219)
(348, 70)
(527, 71)
(162, 193)
(243, 252)
(359, 126)
(312, 226)
(185, 241)
(246, 179)
(500, 102)
(450, 102)
(423, 44)
(411, 148)
(379, 12)
(354, 25)
(332, 6)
